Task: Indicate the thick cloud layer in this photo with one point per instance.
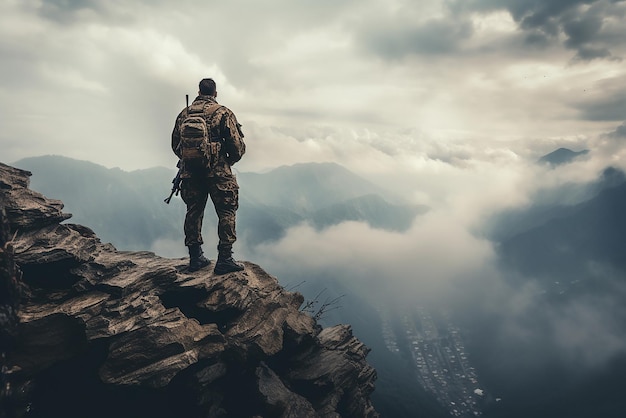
(103, 81)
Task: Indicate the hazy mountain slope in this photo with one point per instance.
(589, 232)
(562, 156)
(549, 204)
(321, 194)
(257, 223)
(370, 208)
(125, 208)
(306, 187)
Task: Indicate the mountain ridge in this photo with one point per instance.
(111, 200)
(562, 156)
(591, 230)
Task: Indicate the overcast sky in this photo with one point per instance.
(342, 80)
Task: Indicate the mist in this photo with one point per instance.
(522, 326)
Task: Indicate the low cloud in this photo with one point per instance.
(422, 264)
(590, 331)
(445, 261)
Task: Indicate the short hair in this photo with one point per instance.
(207, 87)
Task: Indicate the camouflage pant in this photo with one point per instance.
(224, 192)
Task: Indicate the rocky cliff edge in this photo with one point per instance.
(104, 332)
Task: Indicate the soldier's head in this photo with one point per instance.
(207, 87)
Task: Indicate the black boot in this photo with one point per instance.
(196, 258)
(226, 263)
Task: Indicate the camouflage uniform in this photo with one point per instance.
(218, 182)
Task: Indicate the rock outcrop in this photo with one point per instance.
(106, 333)
(9, 303)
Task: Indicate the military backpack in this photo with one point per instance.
(198, 150)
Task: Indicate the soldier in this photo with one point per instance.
(218, 181)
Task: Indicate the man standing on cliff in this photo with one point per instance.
(212, 179)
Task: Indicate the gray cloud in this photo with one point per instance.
(620, 131)
(611, 108)
(68, 12)
(590, 27)
(396, 39)
(605, 101)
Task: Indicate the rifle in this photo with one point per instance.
(177, 179)
(175, 184)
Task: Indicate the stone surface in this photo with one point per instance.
(111, 333)
(9, 304)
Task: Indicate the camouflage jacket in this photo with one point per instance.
(224, 126)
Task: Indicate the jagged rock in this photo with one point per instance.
(280, 397)
(9, 292)
(27, 209)
(9, 303)
(113, 333)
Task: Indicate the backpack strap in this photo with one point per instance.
(209, 110)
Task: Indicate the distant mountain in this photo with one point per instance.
(370, 208)
(562, 156)
(323, 195)
(549, 204)
(573, 238)
(127, 209)
(305, 188)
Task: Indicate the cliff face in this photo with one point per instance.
(111, 333)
